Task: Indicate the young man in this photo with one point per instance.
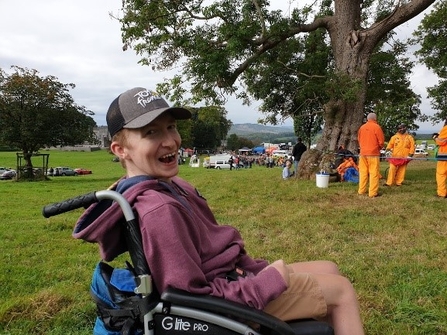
(402, 147)
(183, 243)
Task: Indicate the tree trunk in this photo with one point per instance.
(342, 117)
(28, 168)
(342, 121)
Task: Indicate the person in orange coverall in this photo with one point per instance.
(347, 163)
(371, 140)
(402, 146)
(441, 165)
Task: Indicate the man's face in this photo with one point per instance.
(153, 150)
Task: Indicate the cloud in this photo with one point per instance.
(77, 42)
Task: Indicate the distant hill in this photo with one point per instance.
(244, 129)
(258, 133)
(277, 134)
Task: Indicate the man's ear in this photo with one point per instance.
(117, 150)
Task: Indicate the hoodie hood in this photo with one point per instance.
(103, 222)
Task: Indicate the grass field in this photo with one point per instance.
(393, 248)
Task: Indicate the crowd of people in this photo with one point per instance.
(271, 160)
(402, 147)
(267, 160)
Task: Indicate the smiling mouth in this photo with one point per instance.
(167, 158)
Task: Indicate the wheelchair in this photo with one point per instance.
(176, 312)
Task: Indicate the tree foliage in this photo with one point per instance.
(431, 35)
(233, 142)
(389, 91)
(207, 128)
(37, 112)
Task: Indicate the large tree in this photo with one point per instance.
(432, 37)
(222, 44)
(37, 112)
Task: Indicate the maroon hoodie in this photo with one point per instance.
(184, 246)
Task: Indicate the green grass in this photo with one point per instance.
(393, 248)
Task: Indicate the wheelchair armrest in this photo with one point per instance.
(226, 307)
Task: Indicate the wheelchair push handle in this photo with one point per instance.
(80, 201)
(85, 200)
(133, 234)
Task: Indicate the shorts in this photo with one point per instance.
(303, 299)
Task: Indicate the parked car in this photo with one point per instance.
(280, 153)
(83, 171)
(222, 165)
(64, 171)
(8, 174)
(211, 160)
(431, 147)
(3, 169)
(420, 153)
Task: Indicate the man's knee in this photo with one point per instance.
(331, 267)
(347, 291)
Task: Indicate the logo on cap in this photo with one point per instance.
(146, 97)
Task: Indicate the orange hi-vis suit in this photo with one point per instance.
(441, 165)
(402, 146)
(346, 164)
(371, 140)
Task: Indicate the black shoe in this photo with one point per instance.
(386, 184)
(440, 196)
(377, 195)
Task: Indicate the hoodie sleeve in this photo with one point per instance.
(175, 248)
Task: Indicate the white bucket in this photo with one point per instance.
(322, 180)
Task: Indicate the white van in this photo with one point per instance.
(214, 158)
(420, 153)
(222, 165)
(280, 153)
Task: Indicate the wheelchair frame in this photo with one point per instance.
(181, 313)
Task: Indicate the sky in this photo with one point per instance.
(77, 42)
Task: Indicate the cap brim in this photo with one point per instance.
(178, 113)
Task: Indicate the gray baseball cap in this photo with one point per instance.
(137, 108)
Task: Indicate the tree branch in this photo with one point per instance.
(402, 13)
(271, 42)
(261, 17)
